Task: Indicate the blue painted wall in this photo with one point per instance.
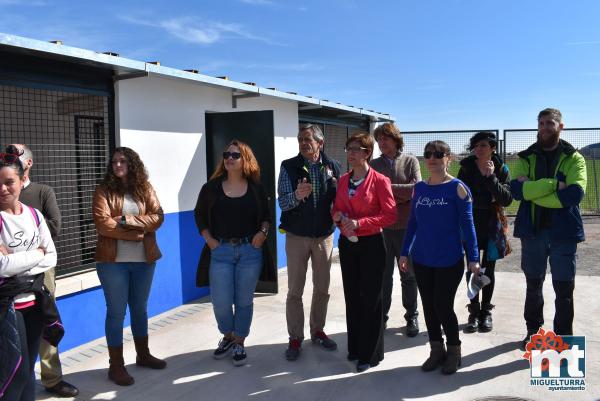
(174, 282)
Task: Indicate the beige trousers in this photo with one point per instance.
(299, 250)
(51, 371)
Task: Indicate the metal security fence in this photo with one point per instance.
(586, 140)
(510, 142)
(335, 139)
(68, 134)
(414, 143)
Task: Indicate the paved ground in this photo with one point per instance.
(587, 252)
(185, 336)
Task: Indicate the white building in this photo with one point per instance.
(72, 106)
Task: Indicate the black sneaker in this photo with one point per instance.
(293, 351)
(321, 338)
(412, 327)
(239, 355)
(525, 341)
(223, 348)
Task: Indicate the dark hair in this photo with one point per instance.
(137, 176)
(488, 136)
(16, 164)
(554, 113)
(438, 146)
(250, 169)
(391, 131)
(364, 139)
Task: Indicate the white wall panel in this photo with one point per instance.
(164, 121)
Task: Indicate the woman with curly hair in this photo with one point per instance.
(488, 178)
(232, 214)
(127, 214)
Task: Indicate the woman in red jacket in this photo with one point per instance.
(364, 204)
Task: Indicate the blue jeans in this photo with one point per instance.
(233, 274)
(125, 283)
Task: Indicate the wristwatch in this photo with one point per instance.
(265, 231)
(123, 220)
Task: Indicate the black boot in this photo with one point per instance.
(453, 360)
(437, 356)
(485, 318)
(473, 321)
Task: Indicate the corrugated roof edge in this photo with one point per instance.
(134, 65)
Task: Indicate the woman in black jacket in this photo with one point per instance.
(233, 217)
(488, 178)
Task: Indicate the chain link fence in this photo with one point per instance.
(510, 142)
(586, 140)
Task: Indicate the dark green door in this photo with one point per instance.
(256, 129)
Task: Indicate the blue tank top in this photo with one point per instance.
(439, 223)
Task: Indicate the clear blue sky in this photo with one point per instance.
(443, 64)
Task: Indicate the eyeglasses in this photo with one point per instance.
(9, 158)
(354, 149)
(437, 154)
(233, 155)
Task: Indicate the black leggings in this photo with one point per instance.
(488, 290)
(29, 326)
(437, 286)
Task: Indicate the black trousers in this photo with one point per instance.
(394, 239)
(437, 287)
(29, 326)
(488, 290)
(363, 263)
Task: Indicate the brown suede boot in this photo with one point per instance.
(453, 359)
(143, 355)
(116, 369)
(436, 356)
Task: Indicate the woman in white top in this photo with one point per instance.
(26, 251)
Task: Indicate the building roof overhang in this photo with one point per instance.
(123, 68)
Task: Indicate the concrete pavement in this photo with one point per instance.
(186, 336)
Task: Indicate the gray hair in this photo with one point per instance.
(317, 134)
(27, 153)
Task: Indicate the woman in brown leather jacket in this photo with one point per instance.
(127, 214)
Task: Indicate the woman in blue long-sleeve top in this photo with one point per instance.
(440, 219)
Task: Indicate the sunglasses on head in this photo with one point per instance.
(437, 154)
(9, 158)
(233, 155)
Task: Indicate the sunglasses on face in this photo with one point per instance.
(437, 154)
(354, 149)
(233, 155)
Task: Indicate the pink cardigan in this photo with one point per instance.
(373, 205)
